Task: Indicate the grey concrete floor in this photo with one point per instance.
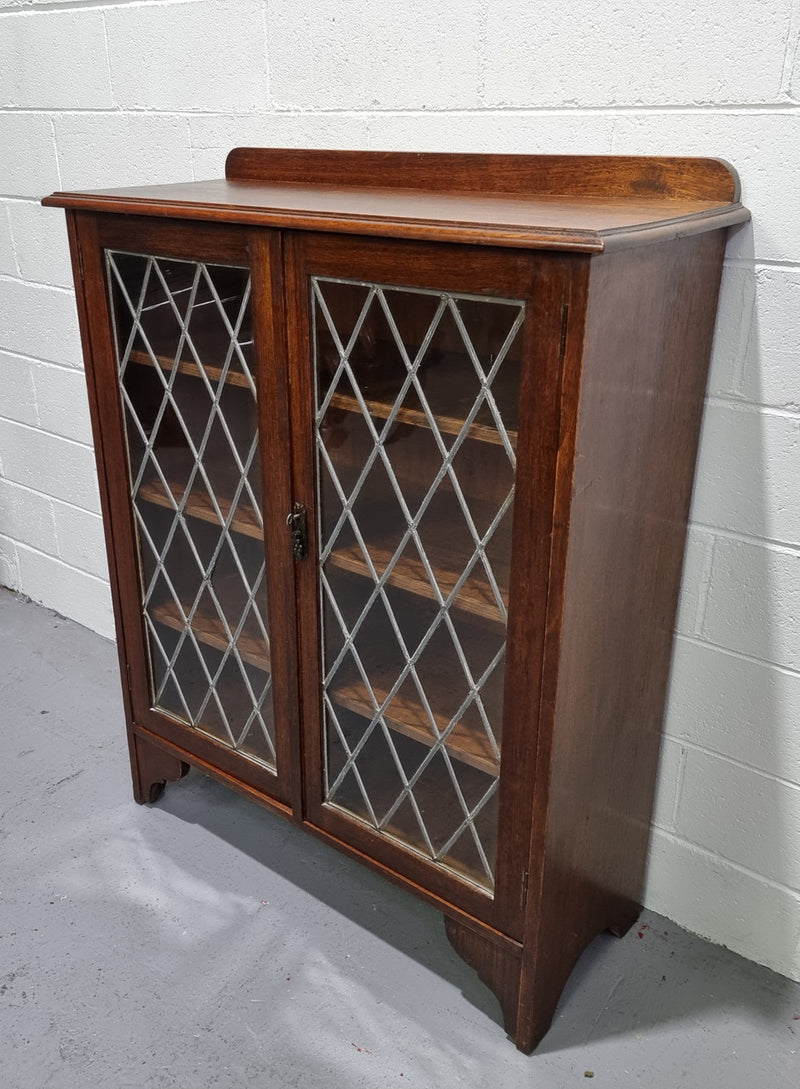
(203, 942)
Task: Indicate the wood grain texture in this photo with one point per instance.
(270, 343)
(407, 716)
(199, 505)
(180, 241)
(475, 598)
(405, 264)
(578, 203)
(186, 366)
(214, 770)
(552, 223)
(82, 234)
(543, 286)
(618, 261)
(575, 175)
(209, 629)
(635, 423)
(498, 967)
(154, 768)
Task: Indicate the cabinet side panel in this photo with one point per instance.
(649, 328)
(82, 231)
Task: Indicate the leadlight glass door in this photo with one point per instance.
(415, 400)
(190, 391)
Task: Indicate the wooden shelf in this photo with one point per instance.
(405, 714)
(209, 630)
(433, 793)
(186, 366)
(448, 425)
(408, 717)
(199, 505)
(443, 381)
(475, 598)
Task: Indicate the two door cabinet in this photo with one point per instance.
(396, 454)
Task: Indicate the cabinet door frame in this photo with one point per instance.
(260, 252)
(543, 282)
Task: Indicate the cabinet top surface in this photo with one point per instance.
(584, 203)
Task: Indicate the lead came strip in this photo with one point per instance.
(378, 715)
(218, 634)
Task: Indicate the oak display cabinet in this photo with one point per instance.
(396, 453)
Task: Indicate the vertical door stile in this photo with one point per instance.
(303, 493)
(269, 302)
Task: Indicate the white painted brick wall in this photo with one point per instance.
(126, 92)
(55, 63)
(160, 140)
(40, 321)
(352, 54)
(634, 54)
(739, 708)
(751, 458)
(29, 163)
(40, 249)
(208, 55)
(18, 397)
(753, 602)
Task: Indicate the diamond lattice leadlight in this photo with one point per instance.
(416, 417)
(185, 355)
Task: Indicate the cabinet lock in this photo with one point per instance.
(298, 526)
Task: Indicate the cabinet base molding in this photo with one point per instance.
(497, 966)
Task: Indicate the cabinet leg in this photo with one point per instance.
(624, 918)
(544, 976)
(152, 769)
(498, 968)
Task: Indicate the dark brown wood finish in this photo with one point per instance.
(498, 966)
(626, 176)
(544, 290)
(212, 244)
(589, 224)
(509, 200)
(153, 769)
(82, 233)
(621, 295)
(635, 425)
(266, 249)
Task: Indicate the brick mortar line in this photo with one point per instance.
(758, 263)
(770, 882)
(793, 784)
(699, 641)
(48, 556)
(86, 5)
(704, 588)
(732, 109)
(680, 779)
(759, 408)
(30, 282)
(52, 499)
(787, 548)
(5, 278)
(39, 360)
(43, 431)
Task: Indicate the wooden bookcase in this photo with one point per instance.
(396, 454)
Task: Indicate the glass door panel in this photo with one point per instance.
(184, 345)
(415, 429)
